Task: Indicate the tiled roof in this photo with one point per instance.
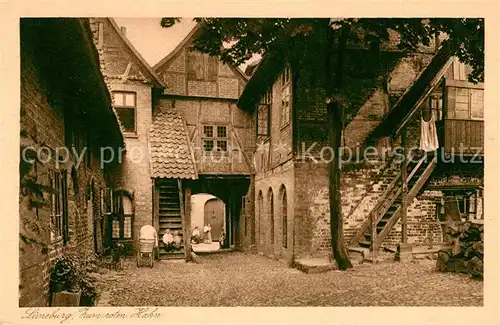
(170, 153)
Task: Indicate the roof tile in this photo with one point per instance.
(170, 153)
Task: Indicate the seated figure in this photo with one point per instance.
(177, 240)
(168, 240)
(195, 236)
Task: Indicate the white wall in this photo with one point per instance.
(198, 210)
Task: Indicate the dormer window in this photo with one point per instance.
(125, 106)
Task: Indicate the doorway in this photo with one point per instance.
(215, 216)
(207, 210)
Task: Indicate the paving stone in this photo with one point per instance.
(238, 279)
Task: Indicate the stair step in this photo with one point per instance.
(169, 213)
(365, 244)
(170, 219)
(164, 196)
(171, 226)
(169, 202)
(172, 256)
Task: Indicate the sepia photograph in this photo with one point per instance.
(257, 162)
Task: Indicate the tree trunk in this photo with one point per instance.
(335, 120)
(335, 113)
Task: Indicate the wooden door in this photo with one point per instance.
(215, 216)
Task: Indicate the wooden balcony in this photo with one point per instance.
(464, 137)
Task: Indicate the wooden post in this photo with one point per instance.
(404, 188)
(156, 206)
(187, 223)
(374, 246)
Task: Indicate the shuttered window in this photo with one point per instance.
(465, 103)
(202, 67)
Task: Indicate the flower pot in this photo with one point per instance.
(87, 301)
(58, 286)
(73, 286)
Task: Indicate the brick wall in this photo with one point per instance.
(135, 166)
(361, 187)
(421, 218)
(124, 72)
(274, 181)
(43, 124)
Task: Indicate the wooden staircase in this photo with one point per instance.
(388, 209)
(170, 215)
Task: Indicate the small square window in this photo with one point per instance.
(129, 99)
(208, 131)
(208, 145)
(221, 132)
(118, 99)
(221, 145)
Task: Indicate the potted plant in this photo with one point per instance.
(88, 285)
(64, 275)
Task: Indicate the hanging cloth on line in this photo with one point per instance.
(428, 135)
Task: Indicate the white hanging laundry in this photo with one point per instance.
(428, 135)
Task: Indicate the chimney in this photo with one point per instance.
(124, 30)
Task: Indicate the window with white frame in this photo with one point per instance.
(286, 94)
(58, 205)
(215, 138)
(125, 106)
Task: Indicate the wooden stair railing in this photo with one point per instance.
(411, 195)
(389, 199)
(378, 206)
(377, 179)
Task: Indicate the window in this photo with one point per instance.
(460, 70)
(270, 200)
(477, 103)
(121, 226)
(467, 206)
(285, 96)
(284, 216)
(465, 103)
(260, 209)
(59, 205)
(436, 106)
(263, 114)
(202, 67)
(125, 105)
(214, 138)
(106, 201)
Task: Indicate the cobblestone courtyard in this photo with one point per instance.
(238, 279)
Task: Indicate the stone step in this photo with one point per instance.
(172, 255)
(314, 265)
